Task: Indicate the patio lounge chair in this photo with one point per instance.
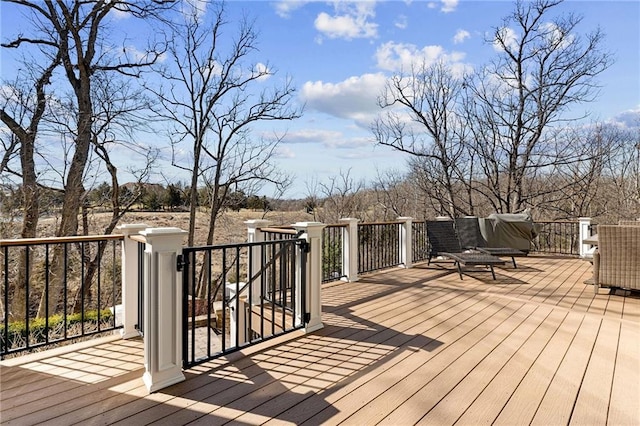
(616, 262)
(444, 242)
(468, 230)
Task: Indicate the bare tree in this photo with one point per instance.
(22, 111)
(74, 35)
(397, 195)
(543, 69)
(120, 110)
(23, 106)
(343, 196)
(423, 121)
(620, 178)
(74, 30)
(312, 199)
(212, 97)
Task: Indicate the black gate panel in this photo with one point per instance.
(237, 295)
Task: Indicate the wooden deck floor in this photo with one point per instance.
(399, 347)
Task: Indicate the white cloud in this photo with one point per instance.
(556, 36)
(261, 68)
(447, 5)
(354, 98)
(350, 143)
(285, 7)
(328, 138)
(350, 20)
(284, 152)
(629, 118)
(118, 14)
(401, 22)
(461, 36)
(508, 36)
(194, 9)
(311, 136)
(393, 56)
(8, 92)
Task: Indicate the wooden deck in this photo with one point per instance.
(405, 346)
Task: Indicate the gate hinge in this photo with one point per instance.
(305, 246)
(307, 318)
(181, 262)
(303, 243)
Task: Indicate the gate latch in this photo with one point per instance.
(181, 262)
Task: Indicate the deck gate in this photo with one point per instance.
(237, 295)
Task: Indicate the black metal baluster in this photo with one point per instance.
(5, 345)
(26, 296)
(46, 290)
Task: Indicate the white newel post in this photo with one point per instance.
(350, 250)
(312, 232)
(130, 279)
(162, 308)
(237, 323)
(406, 242)
(586, 250)
(255, 235)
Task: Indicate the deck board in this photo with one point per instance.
(624, 408)
(495, 396)
(595, 389)
(398, 347)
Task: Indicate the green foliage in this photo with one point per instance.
(332, 259)
(236, 201)
(38, 330)
(173, 197)
(310, 206)
(151, 201)
(99, 196)
(256, 202)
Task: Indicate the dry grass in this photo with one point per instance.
(229, 228)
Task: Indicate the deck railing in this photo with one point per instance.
(379, 246)
(420, 241)
(332, 252)
(557, 237)
(58, 289)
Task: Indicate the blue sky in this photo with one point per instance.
(339, 53)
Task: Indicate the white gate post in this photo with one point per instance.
(129, 279)
(406, 242)
(350, 250)
(162, 308)
(584, 231)
(312, 232)
(255, 235)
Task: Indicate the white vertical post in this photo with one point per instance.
(130, 269)
(312, 232)
(255, 235)
(162, 308)
(350, 250)
(406, 242)
(237, 312)
(586, 250)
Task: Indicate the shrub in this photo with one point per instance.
(38, 330)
